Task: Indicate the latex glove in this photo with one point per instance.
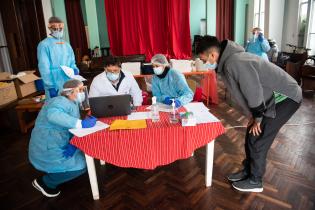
(177, 103)
(53, 92)
(76, 71)
(168, 101)
(68, 150)
(89, 122)
(260, 37)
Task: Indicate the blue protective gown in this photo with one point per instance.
(51, 134)
(51, 54)
(258, 48)
(173, 85)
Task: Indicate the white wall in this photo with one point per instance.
(250, 18)
(274, 17)
(47, 12)
(290, 25)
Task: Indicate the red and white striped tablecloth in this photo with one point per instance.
(159, 144)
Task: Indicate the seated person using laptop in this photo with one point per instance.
(168, 84)
(114, 81)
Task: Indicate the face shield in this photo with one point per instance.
(82, 98)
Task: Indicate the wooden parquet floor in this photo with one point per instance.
(289, 182)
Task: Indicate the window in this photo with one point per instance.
(259, 13)
(311, 32)
(306, 27)
(302, 22)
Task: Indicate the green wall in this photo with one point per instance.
(92, 22)
(83, 8)
(239, 21)
(211, 17)
(197, 12)
(58, 9)
(102, 26)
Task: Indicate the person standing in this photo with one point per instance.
(267, 95)
(52, 53)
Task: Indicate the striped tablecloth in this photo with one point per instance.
(160, 143)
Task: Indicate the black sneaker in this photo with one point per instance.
(48, 192)
(248, 185)
(238, 176)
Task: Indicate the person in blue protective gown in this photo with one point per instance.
(52, 53)
(168, 84)
(258, 44)
(49, 147)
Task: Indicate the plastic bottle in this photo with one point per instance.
(173, 118)
(155, 115)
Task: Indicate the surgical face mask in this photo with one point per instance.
(158, 70)
(211, 66)
(80, 97)
(254, 36)
(57, 34)
(112, 76)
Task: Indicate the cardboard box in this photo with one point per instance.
(24, 85)
(7, 93)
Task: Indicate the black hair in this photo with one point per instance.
(111, 61)
(207, 42)
(54, 19)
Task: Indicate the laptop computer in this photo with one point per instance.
(108, 106)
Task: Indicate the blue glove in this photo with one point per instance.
(260, 37)
(68, 150)
(177, 103)
(53, 92)
(168, 101)
(76, 71)
(88, 122)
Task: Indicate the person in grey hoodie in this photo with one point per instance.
(265, 93)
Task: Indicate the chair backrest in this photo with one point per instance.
(181, 65)
(133, 67)
(198, 95)
(131, 58)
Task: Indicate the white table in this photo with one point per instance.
(93, 177)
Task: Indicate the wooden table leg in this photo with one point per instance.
(22, 123)
(92, 176)
(209, 162)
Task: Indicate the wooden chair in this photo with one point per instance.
(308, 78)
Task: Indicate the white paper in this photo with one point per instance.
(70, 73)
(80, 132)
(162, 107)
(139, 116)
(199, 106)
(205, 117)
(201, 113)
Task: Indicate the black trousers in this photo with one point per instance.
(257, 147)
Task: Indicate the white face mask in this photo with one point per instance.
(57, 34)
(80, 97)
(112, 76)
(209, 65)
(158, 70)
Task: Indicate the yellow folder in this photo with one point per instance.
(128, 124)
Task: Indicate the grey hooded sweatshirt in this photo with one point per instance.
(252, 81)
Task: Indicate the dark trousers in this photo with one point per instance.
(257, 147)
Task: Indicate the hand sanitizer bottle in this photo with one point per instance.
(173, 118)
(155, 115)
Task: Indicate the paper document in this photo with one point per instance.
(162, 107)
(70, 73)
(139, 116)
(128, 124)
(199, 106)
(201, 113)
(80, 132)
